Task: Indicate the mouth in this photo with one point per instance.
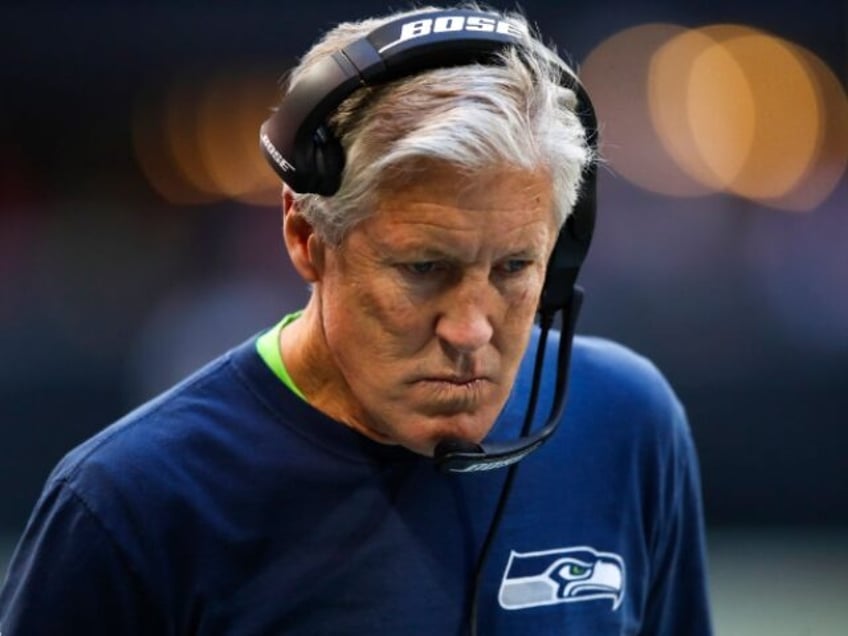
(451, 395)
(455, 380)
(450, 384)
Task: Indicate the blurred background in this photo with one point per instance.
(140, 237)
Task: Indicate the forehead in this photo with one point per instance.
(422, 194)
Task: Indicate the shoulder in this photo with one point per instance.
(603, 365)
(618, 396)
(606, 375)
(617, 401)
(151, 452)
(622, 398)
(147, 426)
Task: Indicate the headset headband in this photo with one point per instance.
(399, 48)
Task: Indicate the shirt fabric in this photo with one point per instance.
(230, 506)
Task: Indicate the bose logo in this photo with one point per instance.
(275, 154)
(493, 464)
(452, 24)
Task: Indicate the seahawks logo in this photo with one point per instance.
(566, 575)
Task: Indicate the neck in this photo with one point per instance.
(309, 362)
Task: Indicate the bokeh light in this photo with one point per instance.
(722, 112)
(723, 108)
(784, 118)
(197, 140)
(831, 152)
(232, 108)
(616, 76)
(668, 95)
(182, 132)
(155, 155)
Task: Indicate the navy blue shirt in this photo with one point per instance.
(229, 506)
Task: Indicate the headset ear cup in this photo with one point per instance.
(327, 161)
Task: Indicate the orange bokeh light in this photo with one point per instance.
(155, 156)
(198, 141)
(831, 150)
(783, 121)
(616, 75)
(228, 118)
(724, 108)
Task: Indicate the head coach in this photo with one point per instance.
(418, 451)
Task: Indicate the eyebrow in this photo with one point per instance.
(426, 251)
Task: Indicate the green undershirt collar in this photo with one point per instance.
(268, 347)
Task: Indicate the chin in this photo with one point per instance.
(419, 427)
(469, 428)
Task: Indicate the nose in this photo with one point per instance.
(465, 323)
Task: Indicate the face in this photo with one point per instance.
(421, 316)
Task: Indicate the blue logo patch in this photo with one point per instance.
(565, 575)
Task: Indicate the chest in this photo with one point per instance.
(400, 559)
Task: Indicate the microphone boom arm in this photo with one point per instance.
(459, 456)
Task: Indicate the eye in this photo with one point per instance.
(573, 570)
(577, 570)
(514, 265)
(422, 268)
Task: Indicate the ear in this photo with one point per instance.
(305, 247)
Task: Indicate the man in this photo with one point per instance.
(289, 487)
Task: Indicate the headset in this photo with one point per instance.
(305, 153)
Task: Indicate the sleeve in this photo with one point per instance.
(68, 576)
(678, 601)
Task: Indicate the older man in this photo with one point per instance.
(439, 174)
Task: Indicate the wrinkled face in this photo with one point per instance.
(426, 306)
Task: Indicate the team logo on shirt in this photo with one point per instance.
(565, 575)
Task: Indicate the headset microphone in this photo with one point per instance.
(303, 151)
(460, 456)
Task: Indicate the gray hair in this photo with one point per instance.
(514, 114)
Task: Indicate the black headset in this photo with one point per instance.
(305, 153)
